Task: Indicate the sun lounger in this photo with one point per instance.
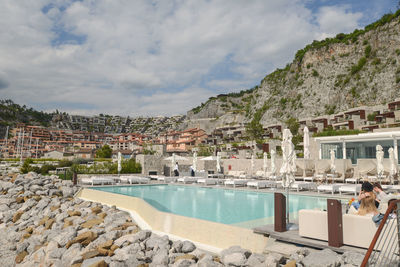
(351, 180)
(167, 179)
(236, 182)
(308, 179)
(274, 177)
(350, 189)
(302, 185)
(260, 184)
(391, 188)
(126, 179)
(134, 179)
(155, 177)
(141, 180)
(207, 181)
(187, 180)
(333, 188)
(97, 180)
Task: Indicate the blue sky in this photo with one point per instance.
(157, 57)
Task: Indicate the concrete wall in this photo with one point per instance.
(150, 163)
(215, 235)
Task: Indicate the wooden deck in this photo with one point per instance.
(293, 237)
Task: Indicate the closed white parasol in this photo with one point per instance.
(306, 143)
(379, 161)
(273, 165)
(333, 166)
(393, 165)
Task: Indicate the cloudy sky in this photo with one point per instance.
(133, 57)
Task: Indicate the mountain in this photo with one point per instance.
(325, 77)
(12, 114)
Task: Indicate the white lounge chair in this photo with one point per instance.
(236, 182)
(351, 180)
(350, 189)
(155, 177)
(167, 179)
(259, 183)
(187, 180)
(391, 188)
(302, 185)
(333, 188)
(97, 181)
(126, 179)
(308, 179)
(207, 181)
(141, 180)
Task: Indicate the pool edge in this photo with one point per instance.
(207, 235)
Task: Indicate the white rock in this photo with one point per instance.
(234, 259)
(187, 247)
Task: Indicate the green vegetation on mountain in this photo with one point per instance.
(325, 77)
(11, 113)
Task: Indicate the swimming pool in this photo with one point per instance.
(235, 207)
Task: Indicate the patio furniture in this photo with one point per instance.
(309, 179)
(351, 180)
(302, 185)
(207, 181)
(350, 189)
(333, 188)
(167, 179)
(236, 182)
(357, 230)
(260, 184)
(187, 179)
(97, 181)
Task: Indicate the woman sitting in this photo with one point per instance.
(367, 204)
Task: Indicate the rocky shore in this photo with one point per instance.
(42, 224)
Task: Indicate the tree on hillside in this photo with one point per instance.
(255, 130)
(104, 152)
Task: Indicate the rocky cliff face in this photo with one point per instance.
(326, 77)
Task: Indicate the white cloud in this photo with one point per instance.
(150, 57)
(337, 19)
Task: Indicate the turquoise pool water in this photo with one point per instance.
(237, 207)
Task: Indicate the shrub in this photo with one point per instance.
(315, 73)
(26, 167)
(367, 51)
(356, 68)
(371, 117)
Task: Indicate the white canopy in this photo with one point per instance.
(333, 166)
(195, 161)
(265, 166)
(119, 162)
(393, 164)
(379, 161)
(218, 163)
(252, 164)
(306, 143)
(288, 167)
(273, 165)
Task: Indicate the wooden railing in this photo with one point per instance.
(384, 248)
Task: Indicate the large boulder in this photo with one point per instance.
(353, 258)
(324, 257)
(187, 247)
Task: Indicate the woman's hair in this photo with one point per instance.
(367, 205)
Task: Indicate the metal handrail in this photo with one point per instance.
(378, 238)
